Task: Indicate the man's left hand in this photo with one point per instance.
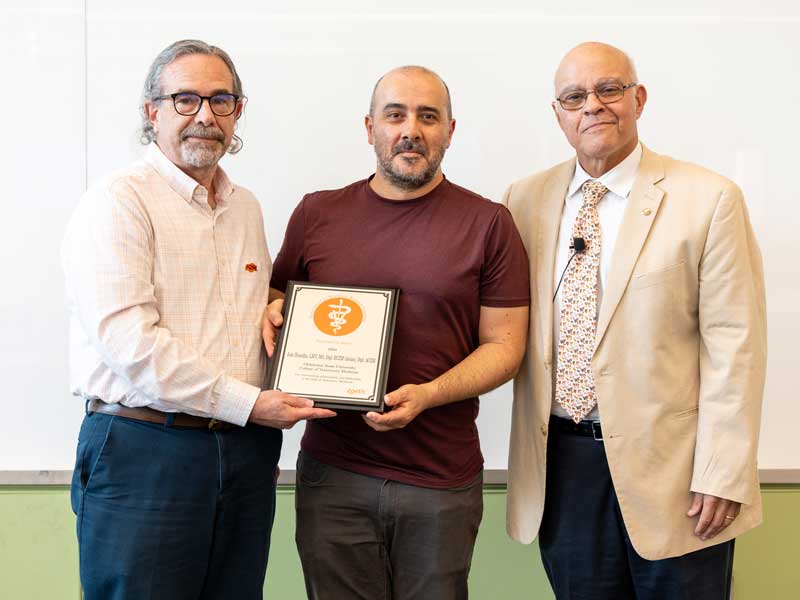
(406, 402)
(715, 514)
(270, 323)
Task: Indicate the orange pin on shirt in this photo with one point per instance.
(251, 267)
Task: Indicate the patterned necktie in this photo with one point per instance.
(574, 381)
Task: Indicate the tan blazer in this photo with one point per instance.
(679, 358)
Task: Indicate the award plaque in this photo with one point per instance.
(335, 344)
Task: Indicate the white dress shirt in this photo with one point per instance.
(165, 295)
(610, 209)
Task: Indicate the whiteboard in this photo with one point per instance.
(723, 92)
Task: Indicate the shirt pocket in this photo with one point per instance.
(657, 276)
(653, 299)
(253, 290)
(687, 413)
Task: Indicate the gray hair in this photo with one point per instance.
(152, 83)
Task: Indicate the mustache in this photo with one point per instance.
(410, 146)
(208, 133)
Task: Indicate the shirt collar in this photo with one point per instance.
(183, 185)
(618, 180)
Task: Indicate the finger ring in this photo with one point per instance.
(729, 517)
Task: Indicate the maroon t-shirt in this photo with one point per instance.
(450, 252)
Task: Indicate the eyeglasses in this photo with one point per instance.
(606, 93)
(188, 104)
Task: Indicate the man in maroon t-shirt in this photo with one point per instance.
(388, 505)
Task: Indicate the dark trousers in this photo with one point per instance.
(585, 547)
(173, 513)
(363, 538)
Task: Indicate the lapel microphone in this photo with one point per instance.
(578, 246)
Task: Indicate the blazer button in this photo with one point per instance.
(544, 429)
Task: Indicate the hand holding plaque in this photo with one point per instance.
(271, 322)
(335, 345)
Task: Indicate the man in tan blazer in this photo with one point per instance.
(637, 407)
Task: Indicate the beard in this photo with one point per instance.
(202, 154)
(413, 179)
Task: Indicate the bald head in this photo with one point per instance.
(600, 101)
(409, 71)
(601, 56)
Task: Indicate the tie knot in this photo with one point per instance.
(592, 192)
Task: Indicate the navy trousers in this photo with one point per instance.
(173, 513)
(585, 547)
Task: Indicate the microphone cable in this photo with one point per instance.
(578, 246)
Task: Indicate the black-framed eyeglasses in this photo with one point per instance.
(189, 103)
(606, 93)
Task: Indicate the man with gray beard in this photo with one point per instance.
(167, 275)
(388, 505)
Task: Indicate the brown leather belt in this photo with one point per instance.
(156, 416)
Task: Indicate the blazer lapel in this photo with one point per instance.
(553, 197)
(640, 213)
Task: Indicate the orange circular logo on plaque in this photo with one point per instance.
(338, 316)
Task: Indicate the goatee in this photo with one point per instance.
(413, 180)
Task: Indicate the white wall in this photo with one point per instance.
(42, 172)
(722, 78)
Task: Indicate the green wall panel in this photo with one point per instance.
(284, 576)
(38, 553)
(766, 563)
(502, 568)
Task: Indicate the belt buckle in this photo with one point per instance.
(597, 432)
(215, 424)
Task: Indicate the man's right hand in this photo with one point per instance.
(281, 410)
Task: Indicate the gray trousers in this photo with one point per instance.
(363, 538)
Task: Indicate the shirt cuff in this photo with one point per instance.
(233, 400)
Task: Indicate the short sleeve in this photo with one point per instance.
(505, 278)
(290, 262)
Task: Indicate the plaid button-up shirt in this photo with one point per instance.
(165, 295)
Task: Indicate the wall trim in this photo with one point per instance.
(490, 477)
(35, 477)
